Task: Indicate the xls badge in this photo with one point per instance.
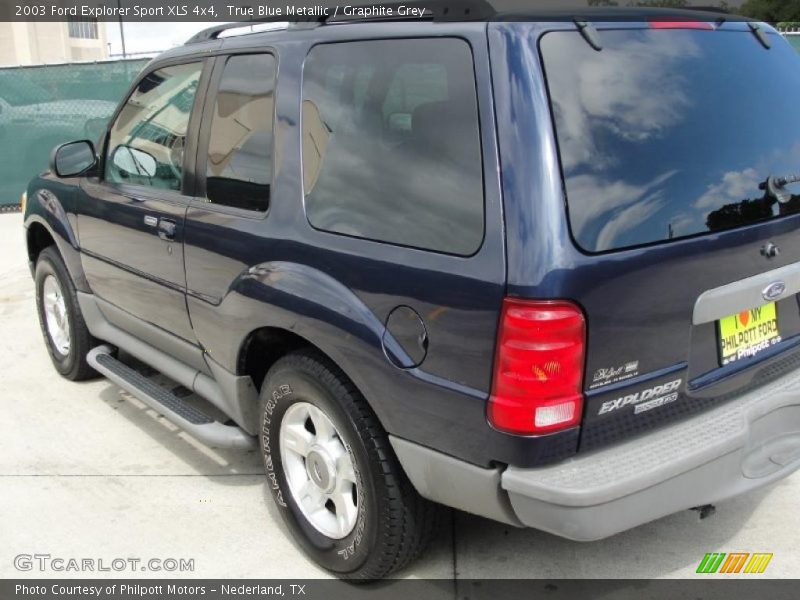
(645, 400)
(609, 375)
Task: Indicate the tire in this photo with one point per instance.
(67, 353)
(391, 524)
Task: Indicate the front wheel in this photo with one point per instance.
(333, 474)
(65, 333)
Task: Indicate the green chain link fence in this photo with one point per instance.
(43, 106)
(794, 40)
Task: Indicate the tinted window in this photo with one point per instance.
(239, 168)
(391, 147)
(668, 133)
(148, 138)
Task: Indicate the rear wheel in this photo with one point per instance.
(333, 474)
(65, 333)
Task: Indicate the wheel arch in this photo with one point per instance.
(266, 345)
(277, 307)
(47, 223)
(38, 237)
(263, 347)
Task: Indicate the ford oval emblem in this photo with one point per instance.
(774, 291)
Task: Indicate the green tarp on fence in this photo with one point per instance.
(43, 106)
(794, 40)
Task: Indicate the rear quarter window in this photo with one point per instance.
(666, 134)
(391, 143)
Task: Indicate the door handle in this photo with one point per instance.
(166, 229)
(150, 221)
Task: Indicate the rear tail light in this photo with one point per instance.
(677, 24)
(538, 370)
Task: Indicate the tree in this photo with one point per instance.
(772, 11)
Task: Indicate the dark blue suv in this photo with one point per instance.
(541, 268)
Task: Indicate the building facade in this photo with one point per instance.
(35, 43)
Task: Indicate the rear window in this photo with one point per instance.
(666, 134)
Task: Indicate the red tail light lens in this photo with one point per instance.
(681, 25)
(538, 369)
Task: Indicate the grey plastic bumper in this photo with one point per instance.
(740, 446)
(745, 444)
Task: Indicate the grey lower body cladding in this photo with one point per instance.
(745, 444)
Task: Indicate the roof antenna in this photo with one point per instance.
(590, 34)
(760, 34)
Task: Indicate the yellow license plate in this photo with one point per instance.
(746, 334)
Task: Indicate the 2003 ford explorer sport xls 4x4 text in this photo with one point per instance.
(544, 269)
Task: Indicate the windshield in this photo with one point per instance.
(666, 134)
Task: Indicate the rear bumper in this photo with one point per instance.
(745, 444)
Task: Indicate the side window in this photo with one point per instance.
(148, 138)
(391, 143)
(239, 168)
(414, 85)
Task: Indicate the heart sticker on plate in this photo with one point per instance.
(744, 317)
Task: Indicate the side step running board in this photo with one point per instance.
(185, 416)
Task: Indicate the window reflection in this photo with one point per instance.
(239, 169)
(391, 147)
(154, 121)
(667, 134)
